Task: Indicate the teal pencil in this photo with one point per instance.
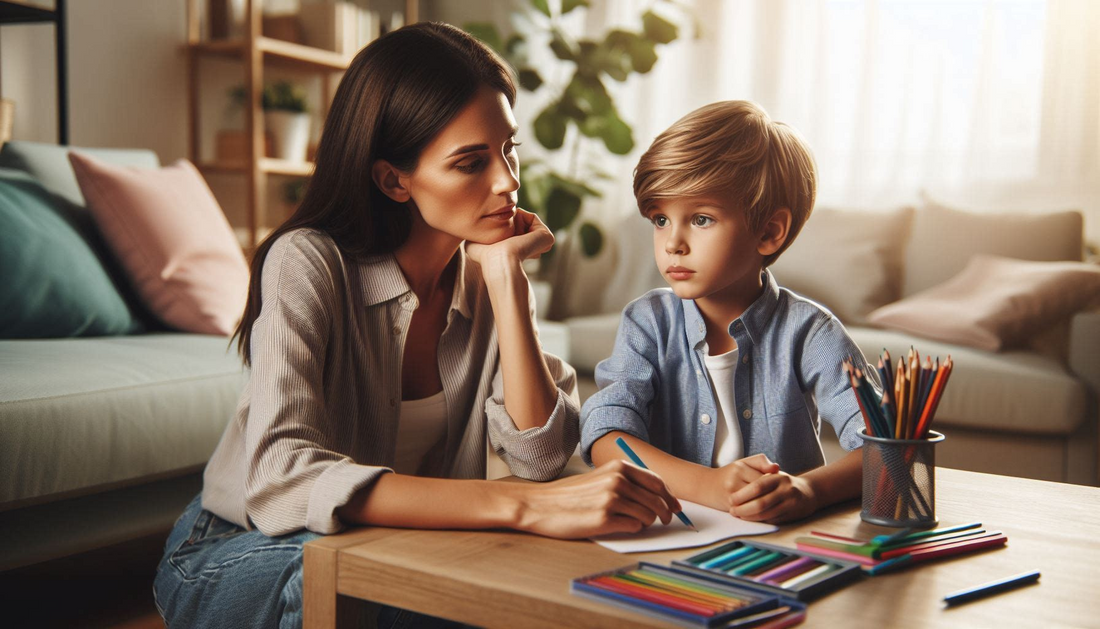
(637, 461)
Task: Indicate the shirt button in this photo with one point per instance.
(747, 413)
(396, 330)
(392, 401)
(698, 372)
(705, 419)
(745, 359)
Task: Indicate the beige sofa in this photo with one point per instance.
(1026, 412)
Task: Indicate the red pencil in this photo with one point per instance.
(654, 596)
(908, 550)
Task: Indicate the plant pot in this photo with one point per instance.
(290, 133)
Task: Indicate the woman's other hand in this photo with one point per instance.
(614, 498)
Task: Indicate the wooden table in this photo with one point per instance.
(508, 579)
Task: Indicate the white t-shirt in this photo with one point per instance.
(422, 424)
(728, 444)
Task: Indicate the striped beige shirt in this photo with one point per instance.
(317, 420)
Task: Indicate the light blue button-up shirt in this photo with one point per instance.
(788, 380)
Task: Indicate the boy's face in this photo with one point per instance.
(705, 250)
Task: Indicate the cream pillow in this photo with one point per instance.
(995, 303)
(944, 238)
(847, 260)
(171, 237)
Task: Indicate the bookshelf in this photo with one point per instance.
(24, 12)
(256, 52)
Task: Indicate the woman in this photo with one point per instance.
(384, 351)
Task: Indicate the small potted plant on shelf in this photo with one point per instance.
(286, 117)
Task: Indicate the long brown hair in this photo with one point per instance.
(397, 94)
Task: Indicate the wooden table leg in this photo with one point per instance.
(318, 587)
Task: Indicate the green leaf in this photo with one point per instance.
(613, 54)
(550, 128)
(591, 239)
(562, 47)
(658, 28)
(589, 94)
(529, 79)
(486, 32)
(569, 5)
(532, 191)
(617, 135)
(543, 6)
(562, 208)
(576, 187)
(643, 54)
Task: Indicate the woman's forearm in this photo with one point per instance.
(399, 500)
(529, 390)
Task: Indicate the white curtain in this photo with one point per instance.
(991, 104)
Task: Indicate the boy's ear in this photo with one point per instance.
(390, 181)
(775, 231)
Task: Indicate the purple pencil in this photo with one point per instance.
(782, 572)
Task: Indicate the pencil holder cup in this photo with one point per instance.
(899, 481)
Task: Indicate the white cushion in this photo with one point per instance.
(1015, 391)
(944, 239)
(591, 340)
(849, 261)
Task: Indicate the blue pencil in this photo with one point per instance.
(994, 587)
(637, 461)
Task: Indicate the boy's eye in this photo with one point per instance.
(659, 220)
(702, 221)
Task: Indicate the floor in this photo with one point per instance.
(106, 588)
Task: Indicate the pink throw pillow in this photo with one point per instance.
(995, 303)
(173, 240)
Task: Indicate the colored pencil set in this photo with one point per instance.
(783, 571)
(906, 547)
(662, 591)
(911, 394)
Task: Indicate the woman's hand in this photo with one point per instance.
(722, 482)
(614, 498)
(530, 240)
(777, 497)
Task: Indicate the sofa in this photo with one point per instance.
(103, 437)
(1027, 411)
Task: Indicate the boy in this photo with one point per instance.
(720, 384)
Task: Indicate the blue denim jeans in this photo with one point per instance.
(216, 574)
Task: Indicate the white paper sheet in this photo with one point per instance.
(713, 525)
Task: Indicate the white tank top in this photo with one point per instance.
(422, 425)
(728, 445)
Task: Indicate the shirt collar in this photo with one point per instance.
(384, 281)
(754, 319)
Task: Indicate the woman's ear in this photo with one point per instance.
(390, 181)
(775, 232)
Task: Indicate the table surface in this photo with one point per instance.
(510, 579)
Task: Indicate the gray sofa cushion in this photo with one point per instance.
(1016, 391)
(77, 414)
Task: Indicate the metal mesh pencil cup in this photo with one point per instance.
(899, 481)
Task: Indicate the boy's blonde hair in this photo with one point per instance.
(732, 150)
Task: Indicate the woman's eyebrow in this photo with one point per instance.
(470, 148)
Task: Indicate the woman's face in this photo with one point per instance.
(466, 180)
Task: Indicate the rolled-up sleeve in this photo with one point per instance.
(295, 479)
(826, 347)
(538, 454)
(627, 382)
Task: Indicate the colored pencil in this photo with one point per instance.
(881, 539)
(638, 461)
(911, 397)
(948, 367)
(758, 563)
(653, 596)
(788, 569)
(808, 577)
(909, 550)
(868, 423)
(727, 556)
(993, 587)
(899, 397)
(888, 367)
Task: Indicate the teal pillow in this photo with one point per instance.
(54, 285)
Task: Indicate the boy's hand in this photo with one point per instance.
(777, 497)
(730, 478)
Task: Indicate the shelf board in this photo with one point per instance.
(279, 51)
(23, 12)
(268, 165)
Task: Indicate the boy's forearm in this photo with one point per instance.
(686, 480)
(838, 481)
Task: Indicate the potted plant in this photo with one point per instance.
(287, 119)
(581, 102)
